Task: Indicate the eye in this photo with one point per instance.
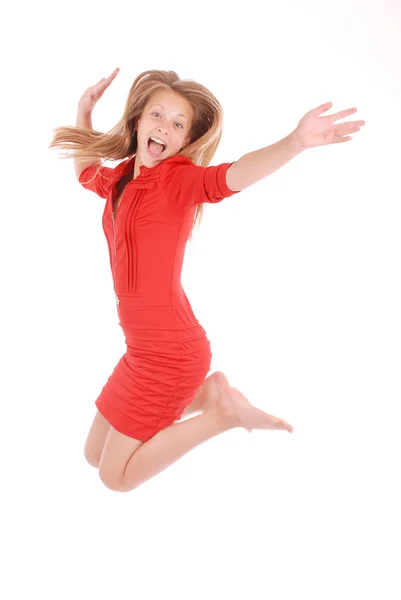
(180, 124)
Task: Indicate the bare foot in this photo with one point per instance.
(212, 389)
(234, 409)
(208, 393)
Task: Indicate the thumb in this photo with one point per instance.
(323, 108)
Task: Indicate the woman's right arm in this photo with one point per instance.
(84, 115)
(84, 119)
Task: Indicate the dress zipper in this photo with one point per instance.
(114, 237)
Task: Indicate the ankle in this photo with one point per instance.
(226, 419)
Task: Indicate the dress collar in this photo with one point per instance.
(128, 166)
(146, 178)
(147, 175)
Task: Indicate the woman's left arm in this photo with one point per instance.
(313, 130)
(257, 165)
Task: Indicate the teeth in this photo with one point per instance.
(158, 141)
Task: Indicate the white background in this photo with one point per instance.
(296, 281)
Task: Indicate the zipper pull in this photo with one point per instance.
(117, 300)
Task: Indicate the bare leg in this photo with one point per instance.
(229, 410)
(100, 427)
(96, 438)
(170, 444)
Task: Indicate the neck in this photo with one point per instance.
(136, 167)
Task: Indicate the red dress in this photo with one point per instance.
(168, 354)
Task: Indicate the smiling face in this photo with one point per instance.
(167, 117)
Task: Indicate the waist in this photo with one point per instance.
(143, 312)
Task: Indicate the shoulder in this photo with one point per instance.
(176, 160)
(187, 184)
(173, 164)
(119, 169)
(99, 170)
(100, 179)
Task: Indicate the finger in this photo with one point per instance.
(99, 82)
(284, 425)
(98, 87)
(280, 423)
(113, 75)
(346, 128)
(115, 72)
(106, 82)
(342, 114)
(339, 140)
(352, 124)
(322, 108)
(277, 423)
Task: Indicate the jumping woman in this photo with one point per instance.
(165, 141)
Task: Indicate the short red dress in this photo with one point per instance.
(168, 353)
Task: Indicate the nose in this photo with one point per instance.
(162, 130)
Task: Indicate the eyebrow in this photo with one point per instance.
(179, 115)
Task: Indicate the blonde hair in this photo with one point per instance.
(121, 141)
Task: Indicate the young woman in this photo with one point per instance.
(165, 140)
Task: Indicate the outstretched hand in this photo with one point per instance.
(314, 130)
(91, 95)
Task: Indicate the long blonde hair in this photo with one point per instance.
(121, 141)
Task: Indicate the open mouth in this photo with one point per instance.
(155, 148)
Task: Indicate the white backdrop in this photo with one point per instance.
(296, 281)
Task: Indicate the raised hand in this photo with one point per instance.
(315, 130)
(90, 97)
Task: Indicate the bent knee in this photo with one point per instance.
(112, 482)
(93, 460)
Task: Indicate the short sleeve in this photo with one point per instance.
(98, 181)
(186, 184)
